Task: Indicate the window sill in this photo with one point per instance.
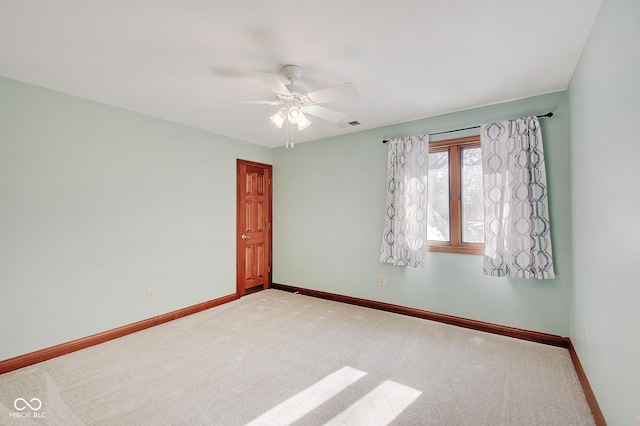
(477, 249)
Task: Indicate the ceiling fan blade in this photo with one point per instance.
(233, 101)
(325, 113)
(273, 82)
(341, 91)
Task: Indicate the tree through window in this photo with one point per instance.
(455, 206)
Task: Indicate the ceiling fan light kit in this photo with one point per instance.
(278, 118)
(292, 114)
(303, 123)
(297, 101)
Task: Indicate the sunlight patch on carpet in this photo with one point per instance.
(309, 399)
(379, 407)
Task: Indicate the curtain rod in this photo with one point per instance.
(549, 114)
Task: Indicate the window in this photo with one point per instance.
(455, 212)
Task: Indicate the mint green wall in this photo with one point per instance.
(604, 97)
(329, 198)
(96, 205)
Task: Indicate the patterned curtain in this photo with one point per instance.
(404, 240)
(517, 240)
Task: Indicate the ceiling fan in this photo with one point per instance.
(297, 101)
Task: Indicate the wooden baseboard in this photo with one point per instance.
(85, 342)
(548, 339)
(586, 387)
(533, 336)
(95, 339)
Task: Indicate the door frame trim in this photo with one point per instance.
(240, 291)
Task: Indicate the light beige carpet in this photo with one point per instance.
(280, 358)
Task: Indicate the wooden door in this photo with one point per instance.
(253, 233)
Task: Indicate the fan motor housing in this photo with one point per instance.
(297, 91)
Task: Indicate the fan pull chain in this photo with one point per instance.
(292, 133)
(288, 135)
(286, 128)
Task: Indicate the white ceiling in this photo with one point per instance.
(408, 59)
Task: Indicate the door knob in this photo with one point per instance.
(245, 237)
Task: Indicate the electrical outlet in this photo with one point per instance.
(151, 293)
(381, 280)
(586, 336)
